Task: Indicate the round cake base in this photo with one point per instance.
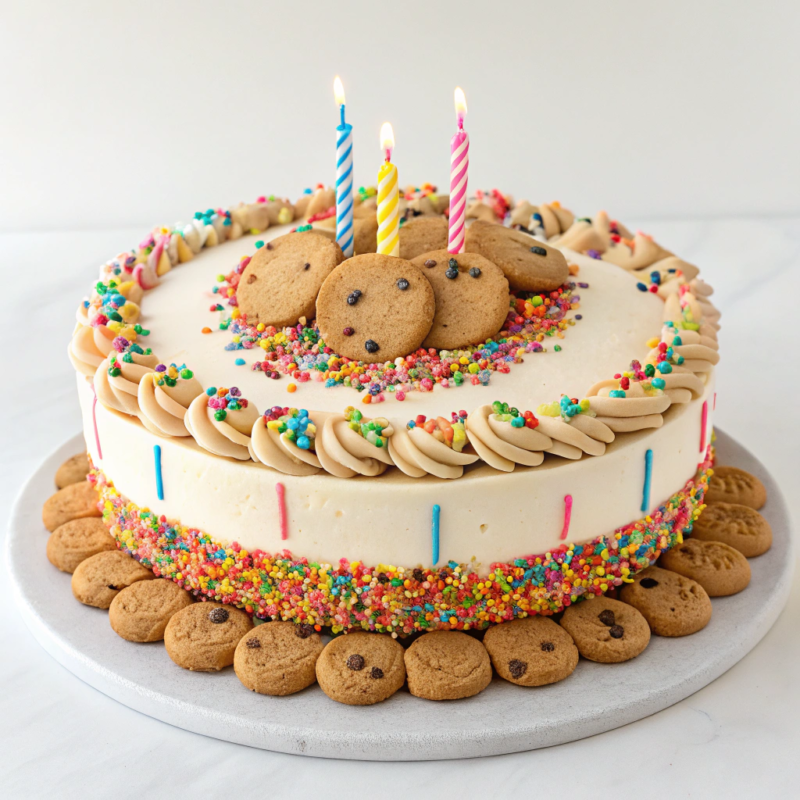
(502, 719)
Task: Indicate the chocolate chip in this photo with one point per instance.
(453, 264)
(371, 346)
(218, 615)
(517, 668)
(269, 245)
(348, 331)
(538, 251)
(607, 617)
(451, 273)
(376, 672)
(648, 583)
(548, 647)
(252, 278)
(616, 631)
(419, 575)
(402, 284)
(306, 265)
(112, 587)
(474, 272)
(352, 298)
(253, 644)
(430, 263)
(303, 631)
(355, 662)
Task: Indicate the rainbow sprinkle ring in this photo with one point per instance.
(390, 599)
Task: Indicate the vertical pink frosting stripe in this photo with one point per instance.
(567, 516)
(94, 423)
(459, 166)
(281, 492)
(703, 426)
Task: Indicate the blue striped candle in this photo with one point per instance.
(344, 177)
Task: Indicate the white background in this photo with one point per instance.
(143, 112)
(115, 117)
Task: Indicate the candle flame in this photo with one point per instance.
(338, 91)
(461, 102)
(387, 136)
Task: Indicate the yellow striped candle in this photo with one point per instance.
(388, 198)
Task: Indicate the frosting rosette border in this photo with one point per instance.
(390, 599)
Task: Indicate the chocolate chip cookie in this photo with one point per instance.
(73, 470)
(203, 636)
(359, 669)
(375, 308)
(717, 567)
(278, 658)
(141, 611)
(282, 280)
(447, 665)
(533, 651)
(472, 298)
(76, 501)
(77, 540)
(528, 264)
(741, 527)
(606, 630)
(733, 485)
(101, 577)
(672, 604)
(422, 235)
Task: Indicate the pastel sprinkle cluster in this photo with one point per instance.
(170, 375)
(224, 400)
(300, 352)
(390, 599)
(295, 423)
(513, 416)
(452, 433)
(372, 430)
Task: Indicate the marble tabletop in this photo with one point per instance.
(737, 737)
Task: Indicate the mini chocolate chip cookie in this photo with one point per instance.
(533, 651)
(203, 636)
(606, 630)
(282, 280)
(734, 485)
(528, 264)
(422, 235)
(447, 665)
(73, 470)
(472, 298)
(365, 234)
(741, 527)
(76, 501)
(77, 540)
(140, 612)
(101, 577)
(672, 604)
(717, 567)
(278, 658)
(359, 669)
(375, 308)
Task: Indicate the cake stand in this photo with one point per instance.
(502, 719)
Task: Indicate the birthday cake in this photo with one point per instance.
(443, 437)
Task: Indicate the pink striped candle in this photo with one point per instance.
(459, 167)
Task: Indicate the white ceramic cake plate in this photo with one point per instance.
(502, 719)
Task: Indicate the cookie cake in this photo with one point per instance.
(395, 412)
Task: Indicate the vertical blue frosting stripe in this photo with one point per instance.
(159, 476)
(435, 534)
(648, 476)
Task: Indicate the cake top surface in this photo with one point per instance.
(610, 323)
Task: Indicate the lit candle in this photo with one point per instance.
(344, 176)
(388, 198)
(459, 167)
